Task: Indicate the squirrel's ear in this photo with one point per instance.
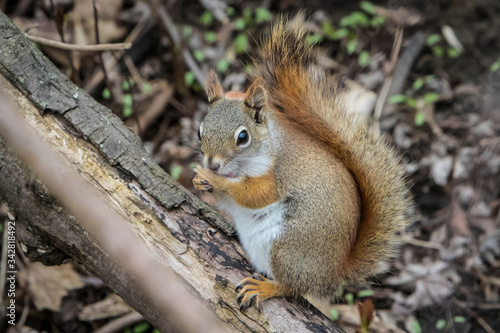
(214, 89)
(255, 100)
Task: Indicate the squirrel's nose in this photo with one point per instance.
(214, 166)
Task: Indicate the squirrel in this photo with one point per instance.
(317, 195)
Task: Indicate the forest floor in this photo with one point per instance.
(426, 72)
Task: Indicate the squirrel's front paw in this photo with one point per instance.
(201, 181)
(202, 184)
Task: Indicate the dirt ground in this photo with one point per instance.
(442, 113)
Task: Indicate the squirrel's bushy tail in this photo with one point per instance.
(309, 99)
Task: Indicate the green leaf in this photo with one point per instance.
(351, 45)
(349, 297)
(364, 59)
(412, 102)
(206, 18)
(247, 14)
(230, 11)
(193, 165)
(106, 94)
(146, 88)
(354, 19)
(395, 99)
(440, 324)
(187, 31)
(438, 51)
(327, 28)
(433, 39)
(334, 314)
(262, 15)
(459, 319)
(199, 55)
(430, 78)
(127, 100)
(453, 53)
(418, 84)
(241, 43)
(176, 172)
(189, 78)
(210, 36)
(495, 66)
(125, 85)
(415, 326)
(430, 98)
(127, 111)
(196, 87)
(222, 65)
(419, 118)
(367, 7)
(240, 24)
(360, 18)
(337, 34)
(347, 21)
(141, 328)
(365, 293)
(377, 21)
(314, 39)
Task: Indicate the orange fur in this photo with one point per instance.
(250, 192)
(235, 95)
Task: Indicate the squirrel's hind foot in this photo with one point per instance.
(259, 288)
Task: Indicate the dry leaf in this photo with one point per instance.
(47, 285)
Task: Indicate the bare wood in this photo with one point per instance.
(82, 48)
(173, 224)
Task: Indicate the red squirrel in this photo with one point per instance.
(317, 195)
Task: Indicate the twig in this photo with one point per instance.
(81, 48)
(101, 59)
(168, 24)
(396, 47)
(119, 324)
(133, 71)
(109, 229)
(421, 243)
(58, 16)
(395, 82)
(26, 310)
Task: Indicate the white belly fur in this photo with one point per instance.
(257, 229)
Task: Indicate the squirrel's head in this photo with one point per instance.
(234, 132)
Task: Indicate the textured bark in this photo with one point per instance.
(181, 231)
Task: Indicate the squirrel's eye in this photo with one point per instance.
(200, 130)
(243, 138)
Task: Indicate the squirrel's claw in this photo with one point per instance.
(257, 287)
